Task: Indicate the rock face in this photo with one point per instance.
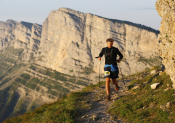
(167, 36)
(21, 35)
(7, 33)
(71, 40)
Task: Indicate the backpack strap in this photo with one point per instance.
(111, 50)
(105, 53)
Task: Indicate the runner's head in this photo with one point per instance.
(109, 42)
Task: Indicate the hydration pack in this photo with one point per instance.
(108, 55)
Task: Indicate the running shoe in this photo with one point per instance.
(116, 87)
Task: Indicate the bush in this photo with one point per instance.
(80, 82)
(31, 85)
(52, 92)
(25, 76)
(47, 72)
(72, 80)
(35, 80)
(32, 67)
(62, 78)
(87, 70)
(21, 81)
(46, 85)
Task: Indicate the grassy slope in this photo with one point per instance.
(7, 71)
(63, 110)
(131, 107)
(128, 107)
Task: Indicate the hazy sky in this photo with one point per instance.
(36, 11)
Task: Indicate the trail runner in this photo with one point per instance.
(110, 69)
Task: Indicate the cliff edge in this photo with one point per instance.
(166, 10)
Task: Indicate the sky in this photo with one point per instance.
(36, 11)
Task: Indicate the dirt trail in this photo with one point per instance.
(97, 100)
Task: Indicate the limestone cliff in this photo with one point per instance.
(71, 40)
(166, 10)
(21, 35)
(68, 42)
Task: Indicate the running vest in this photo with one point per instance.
(108, 55)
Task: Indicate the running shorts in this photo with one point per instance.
(111, 74)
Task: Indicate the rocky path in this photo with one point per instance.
(98, 113)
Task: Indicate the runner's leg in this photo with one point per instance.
(116, 84)
(108, 85)
(114, 81)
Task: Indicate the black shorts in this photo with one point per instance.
(111, 74)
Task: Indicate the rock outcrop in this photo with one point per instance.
(21, 35)
(166, 48)
(70, 40)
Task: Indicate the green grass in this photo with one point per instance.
(5, 81)
(57, 87)
(32, 107)
(80, 82)
(1, 55)
(16, 68)
(35, 80)
(21, 81)
(16, 52)
(54, 93)
(32, 67)
(49, 86)
(2, 75)
(72, 79)
(131, 107)
(4, 65)
(151, 61)
(8, 107)
(25, 76)
(3, 95)
(38, 88)
(55, 74)
(62, 111)
(10, 60)
(87, 70)
(20, 107)
(31, 85)
(61, 78)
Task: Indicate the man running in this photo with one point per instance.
(110, 69)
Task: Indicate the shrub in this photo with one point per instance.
(35, 80)
(31, 85)
(21, 81)
(32, 67)
(80, 82)
(25, 76)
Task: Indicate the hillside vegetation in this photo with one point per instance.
(139, 105)
(145, 104)
(25, 86)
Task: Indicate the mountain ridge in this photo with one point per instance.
(61, 55)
